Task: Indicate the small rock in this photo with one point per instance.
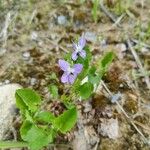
(53, 36)
(7, 106)
(144, 50)
(110, 128)
(6, 81)
(2, 51)
(33, 81)
(40, 43)
(107, 112)
(116, 97)
(103, 43)
(90, 36)
(121, 47)
(79, 141)
(26, 55)
(91, 136)
(34, 36)
(61, 20)
(87, 107)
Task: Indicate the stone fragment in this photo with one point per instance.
(7, 106)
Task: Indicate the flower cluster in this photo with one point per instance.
(71, 73)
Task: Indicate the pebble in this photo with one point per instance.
(6, 81)
(33, 81)
(7, 106)
(87, 107)
(79, 141)
(109, 128)
(90, 135)
(2, 51)
(26, 55)
(40, 43)
(61, 20)
(90, 36)
(145, 50)
(116, 97)
(122, 47)
(103, 43)
(34, 35)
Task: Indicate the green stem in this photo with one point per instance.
(12, 144)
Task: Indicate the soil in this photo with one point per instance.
(36, 40)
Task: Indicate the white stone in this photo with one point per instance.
(144, 50)
(34, 36)
(26, 55)
(87, 107)
(2, 51)
(33, 81)
(121, 47)
(7, 81)
(79, 141)
(110, 128)
(90, 36)
(61, 20)
(7, 106)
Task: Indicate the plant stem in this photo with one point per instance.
(12, 144)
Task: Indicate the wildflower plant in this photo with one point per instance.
(81, 75)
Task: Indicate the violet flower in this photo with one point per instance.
(78, 49)
(70, 73)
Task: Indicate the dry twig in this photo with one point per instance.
(147, 81)
(128, 117)
(4, 33)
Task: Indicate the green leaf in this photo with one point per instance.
(45, 116)
(27, 99)
(51, 135)
(66, 121)
(94, 79)
(92, 76)
(105, 61)
(26, 126)
(20, 104)
(85, 90)
(28, 116)
(92, 70)
(35, 136)
(53, 91)
(85, 62)
(66, 101)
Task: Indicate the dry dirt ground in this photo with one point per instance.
(35, 34)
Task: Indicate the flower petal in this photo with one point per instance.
(74, 55)
(77, 68)
(71, 78)
(82, 42)
(64, 78)
(83, 54)
(64, 65)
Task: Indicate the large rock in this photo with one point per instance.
(7, 106)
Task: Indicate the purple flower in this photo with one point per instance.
(78, 49)
(70, 74)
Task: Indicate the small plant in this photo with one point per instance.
(95, 9)
(81, 75)
(122, 6)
